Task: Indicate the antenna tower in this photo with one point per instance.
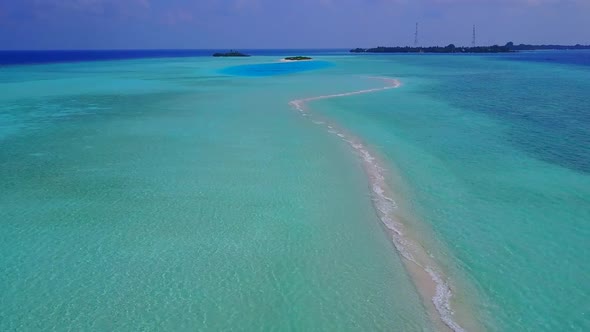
(416, 36)
(473, 40)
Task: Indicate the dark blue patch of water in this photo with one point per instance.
(8, 58)
(42, 57)
(275, 68)
(549, 120)
(568, 57)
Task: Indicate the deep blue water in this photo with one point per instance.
(570, 57)
(39, 57)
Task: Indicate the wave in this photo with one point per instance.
(423, 270)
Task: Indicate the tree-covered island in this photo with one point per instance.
(230, 54)
(297, 58)
(509, 47)
(434, 49)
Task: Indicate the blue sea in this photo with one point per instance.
(170, 190)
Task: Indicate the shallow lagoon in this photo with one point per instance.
(159, 194)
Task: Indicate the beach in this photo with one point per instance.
(426, 275)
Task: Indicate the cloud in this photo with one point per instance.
(176, 17)
(269, 23)
(505, 2)
(245, 4)
(59, 9)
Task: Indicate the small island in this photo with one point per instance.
(230, 54)
(297, 58)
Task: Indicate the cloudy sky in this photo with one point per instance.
(100, 24)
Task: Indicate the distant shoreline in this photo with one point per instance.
(9, 58)
(508, 48)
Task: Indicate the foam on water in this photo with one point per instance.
(420, 265)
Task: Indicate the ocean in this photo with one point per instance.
(169, 190)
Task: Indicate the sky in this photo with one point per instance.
(247, 24)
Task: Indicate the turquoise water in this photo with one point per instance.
(162, 195)
(182, 194)
(493, 159)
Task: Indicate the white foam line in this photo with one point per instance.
(385, 206)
